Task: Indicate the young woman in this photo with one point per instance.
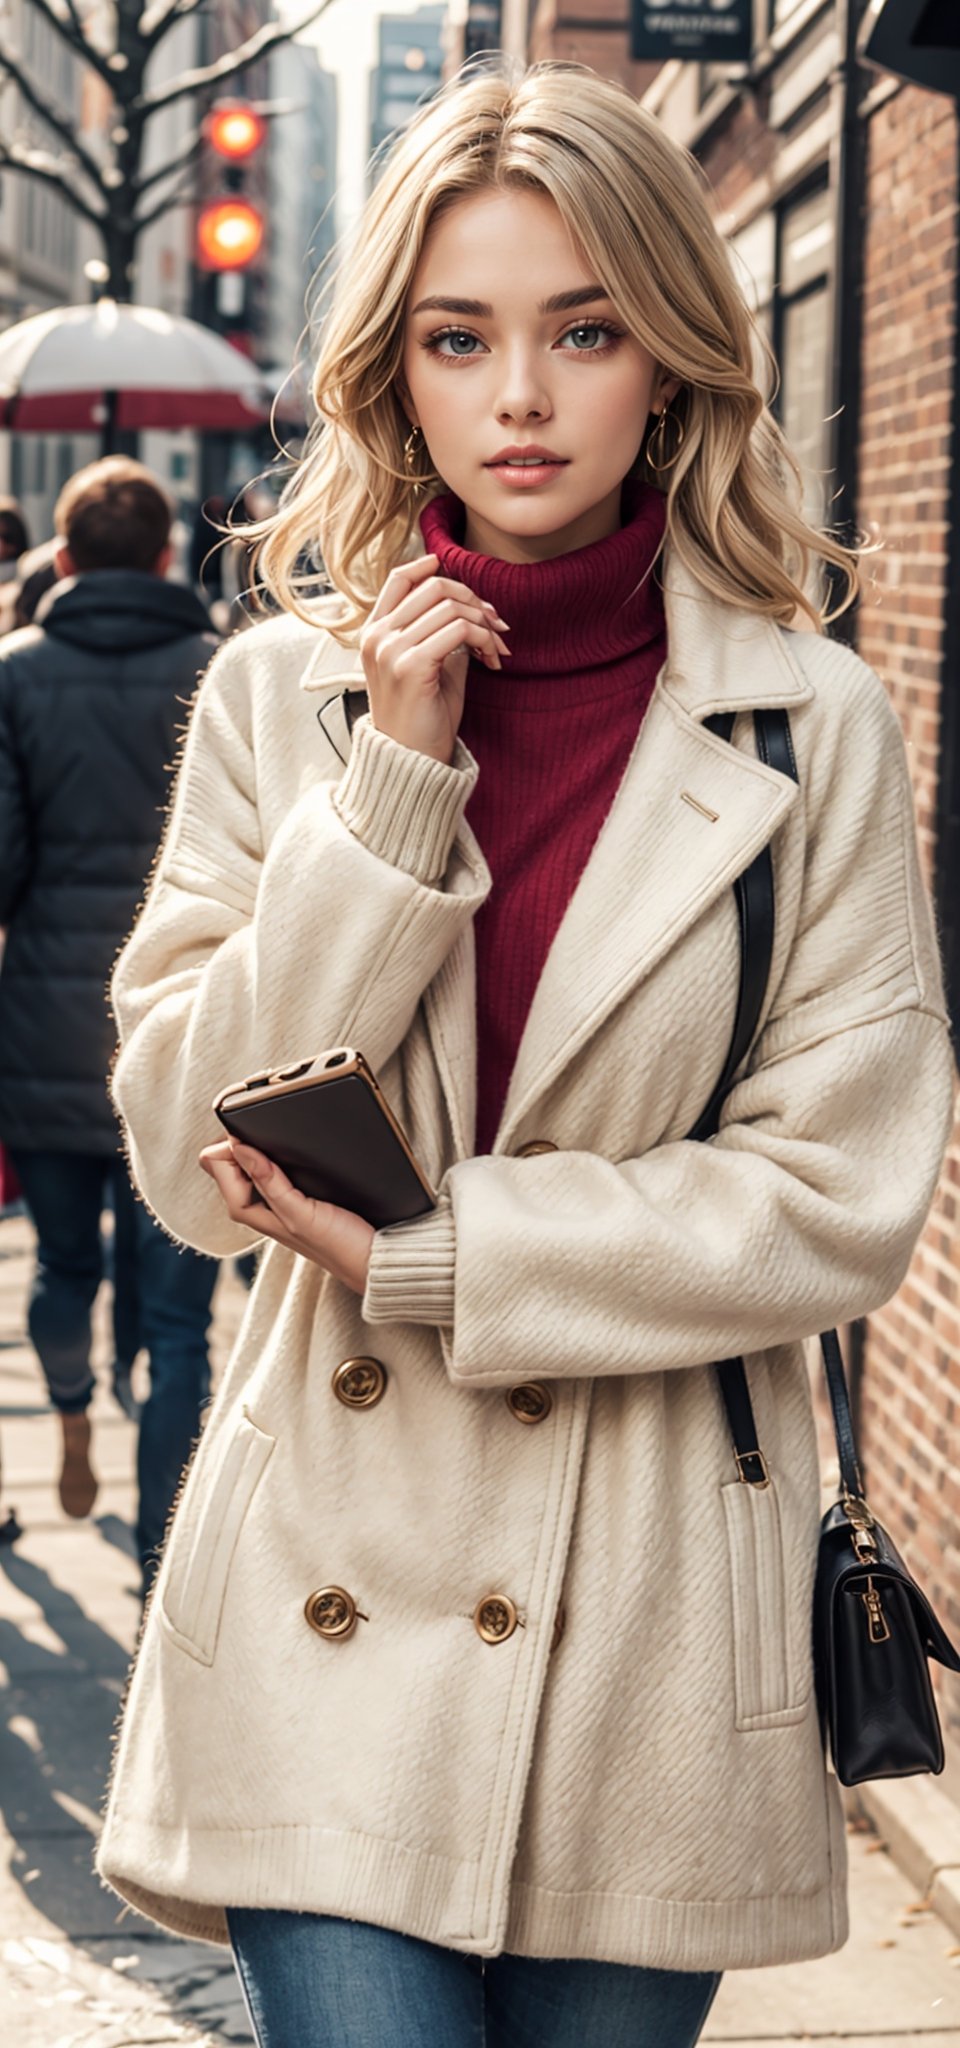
(476, 1689)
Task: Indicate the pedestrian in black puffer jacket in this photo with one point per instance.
(91, 698)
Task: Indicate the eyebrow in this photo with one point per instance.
(480, 309)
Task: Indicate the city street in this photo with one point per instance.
(697, 878)
(77, 1972)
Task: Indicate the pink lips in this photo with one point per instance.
(540, 472)
(503, 454)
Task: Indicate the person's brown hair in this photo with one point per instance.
(13, 526)
(113, 515)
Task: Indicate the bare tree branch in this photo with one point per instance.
(66, 23)
(186, 154)
(37, 163)
(182, 195)
(269, 37)
(58, 122)
(157, 19)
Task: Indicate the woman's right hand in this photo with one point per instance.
(415, 648)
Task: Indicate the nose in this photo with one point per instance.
(523, 394)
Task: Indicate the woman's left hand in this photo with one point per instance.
(333, 1238)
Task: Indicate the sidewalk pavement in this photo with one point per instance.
(76, 1971)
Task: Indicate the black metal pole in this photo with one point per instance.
(109, 432)
(947, 806)
(847, 323)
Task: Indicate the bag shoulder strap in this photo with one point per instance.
(850, 1476)
(755, 903)
(754, 891)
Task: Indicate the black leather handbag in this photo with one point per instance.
(873, 1629)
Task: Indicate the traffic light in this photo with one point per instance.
(234, 130)
(230, 228)
(229, 234)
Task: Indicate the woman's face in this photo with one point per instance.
(511, 344)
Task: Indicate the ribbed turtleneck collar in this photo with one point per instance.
(587, 610)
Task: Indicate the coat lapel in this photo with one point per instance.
(691, 813)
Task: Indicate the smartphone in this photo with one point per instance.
(328, 1124)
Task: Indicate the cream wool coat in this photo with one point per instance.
(652, 1789)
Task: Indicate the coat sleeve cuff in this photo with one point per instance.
(411, 1273)
(403, 806)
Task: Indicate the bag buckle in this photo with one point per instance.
(758, 1476)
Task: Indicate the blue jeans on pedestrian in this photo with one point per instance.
(162, 1300)
(314, 1982)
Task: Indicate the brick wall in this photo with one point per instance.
(605, 50)
(910, 1389)
(911, 1385)
(739, 150)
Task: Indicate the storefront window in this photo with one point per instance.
(803, 335)
(754, 252)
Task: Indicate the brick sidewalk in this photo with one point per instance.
(76, 1973)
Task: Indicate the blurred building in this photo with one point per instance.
(301, 177)
(409, 69)
(49, 256)
(43, 247)
(165, 250)
(291, 180)
(836, 181)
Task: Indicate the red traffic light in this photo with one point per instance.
(229, 234)
(234, 130)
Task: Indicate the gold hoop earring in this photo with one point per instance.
(657, 436)
(411, 447)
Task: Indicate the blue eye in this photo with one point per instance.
(454, 335)
(594, 327)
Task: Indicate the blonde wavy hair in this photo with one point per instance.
(636, 206)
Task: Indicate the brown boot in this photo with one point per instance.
(78, 1484)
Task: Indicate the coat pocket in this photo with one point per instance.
(194, 1586)
(771, 1691)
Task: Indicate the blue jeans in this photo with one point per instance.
(315, 1982)
(162, 1298)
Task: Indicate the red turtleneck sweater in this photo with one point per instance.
(552, 732)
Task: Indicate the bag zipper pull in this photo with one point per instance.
(876, 1619)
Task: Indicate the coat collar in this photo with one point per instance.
(718, 658)
(690, 815)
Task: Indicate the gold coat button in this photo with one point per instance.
(495, 1618)
(360, 1382)
(535, 1147)
(530, 1402)
(331, 1612)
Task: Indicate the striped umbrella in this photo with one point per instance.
(106, 367)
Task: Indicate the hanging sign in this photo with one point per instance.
(696, 31)
(917, 39)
